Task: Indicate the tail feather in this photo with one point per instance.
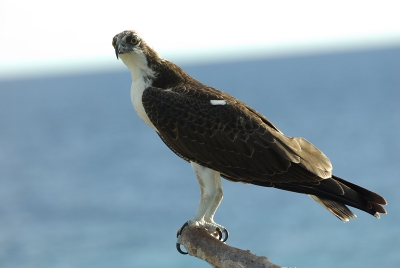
(378, 208)
(336, 208)
(371, 196)
(335, 193)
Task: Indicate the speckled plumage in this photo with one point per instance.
(237, 141)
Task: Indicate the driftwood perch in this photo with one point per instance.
(201, 244)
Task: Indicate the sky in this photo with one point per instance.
(45, 37)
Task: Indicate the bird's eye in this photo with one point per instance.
(134, 40)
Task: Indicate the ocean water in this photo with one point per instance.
(85, 183)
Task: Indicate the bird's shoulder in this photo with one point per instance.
(194, 94)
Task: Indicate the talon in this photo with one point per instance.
(178, 233)
(178, 247)
(218, 230)
(226, 235)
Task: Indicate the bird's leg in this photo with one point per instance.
(216, 200)
(208, 191)
(211, 196)
(209, 216)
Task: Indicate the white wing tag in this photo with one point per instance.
(218, 102)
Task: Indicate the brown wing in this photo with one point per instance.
(244, 146)
(232, 139)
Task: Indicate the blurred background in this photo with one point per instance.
(85, 183)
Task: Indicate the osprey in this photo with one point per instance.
(221, 136)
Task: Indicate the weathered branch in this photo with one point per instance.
(201, 244)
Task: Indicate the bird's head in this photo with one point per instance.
(127, 42)
(135, 53)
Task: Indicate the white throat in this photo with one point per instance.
(142, 78)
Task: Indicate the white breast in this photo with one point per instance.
(142, 77)
(137, 89)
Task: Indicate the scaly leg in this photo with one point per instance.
(209, 216)
(211, 196)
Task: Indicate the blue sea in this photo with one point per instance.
(85, 183)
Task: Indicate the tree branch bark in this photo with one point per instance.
(201, 244)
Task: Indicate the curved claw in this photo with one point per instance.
(218, 230)
(178, 233)
(178, 247)
(226, 235)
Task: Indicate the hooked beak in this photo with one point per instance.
(117, 50)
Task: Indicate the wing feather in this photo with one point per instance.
(233, 138)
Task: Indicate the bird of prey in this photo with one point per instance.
(220, 136)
